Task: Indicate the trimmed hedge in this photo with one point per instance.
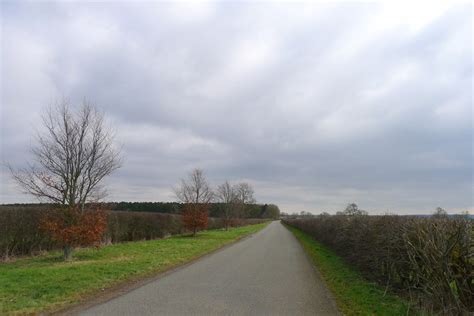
(132, 226)
(428, 259)
(20, 235)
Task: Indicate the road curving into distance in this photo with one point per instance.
(265, 274)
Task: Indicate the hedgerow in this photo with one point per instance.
(430, 260)
(21, 233)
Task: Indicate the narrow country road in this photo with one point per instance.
(266, 274)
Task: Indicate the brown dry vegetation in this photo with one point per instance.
(430, 260)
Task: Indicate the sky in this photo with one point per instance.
(316, 105)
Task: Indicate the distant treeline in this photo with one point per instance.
(215, 210)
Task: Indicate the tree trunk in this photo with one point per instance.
(67, 253)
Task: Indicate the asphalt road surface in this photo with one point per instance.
(265, 274)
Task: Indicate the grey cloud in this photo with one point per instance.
(317, 105)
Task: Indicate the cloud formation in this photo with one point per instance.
(316, 105)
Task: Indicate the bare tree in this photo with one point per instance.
(227, 195)
(245, 193)
(196, 194)
(352, 210)
(440, 213)
(245, 196)
(195, 189)
(73, 154)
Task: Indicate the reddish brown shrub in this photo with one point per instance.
(195, 217)
(72, 227)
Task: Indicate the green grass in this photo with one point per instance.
(354, 294)
(46, 283)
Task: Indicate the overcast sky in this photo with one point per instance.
(315, 105)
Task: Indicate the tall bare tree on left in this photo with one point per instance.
(73, 153)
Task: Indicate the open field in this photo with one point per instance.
(46, 283)
(354, 294)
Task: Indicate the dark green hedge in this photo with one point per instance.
(216, 209)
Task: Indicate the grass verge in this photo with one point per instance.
(354, 294)
(46, 283)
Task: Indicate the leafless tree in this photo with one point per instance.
(245, 195)
(352, 210)
(195, 189)
(227, 195)
(196, 195)
(440, 213)
(74, 152)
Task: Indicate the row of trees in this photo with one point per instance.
(215, 209)
(352, 210)
(75, 152)
(197, 195)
